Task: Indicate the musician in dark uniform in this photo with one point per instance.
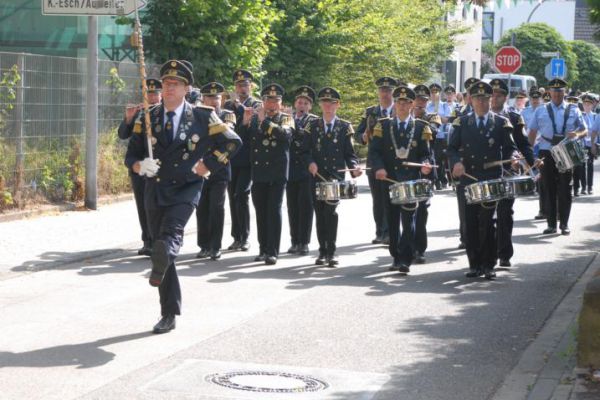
(504, 212)
(422, 95)
(181, 137)
(385, 87)
(396, 140)
(298, 189)
(329, 149)
(556, 121)
(478, 138)
(466, 109)
(210, 213)
(270, 133)
(240, 184)
(138, 183)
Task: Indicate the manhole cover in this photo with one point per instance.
(268, 382)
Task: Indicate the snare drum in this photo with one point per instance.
(568, 154)
(336, 190)
(517, 186)
(411, 191)
(486, 191)
(348, 190)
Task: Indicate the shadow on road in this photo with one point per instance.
(82, 355)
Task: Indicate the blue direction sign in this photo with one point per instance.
(557, 68)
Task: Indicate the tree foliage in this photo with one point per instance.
(588, 65)
(533, 39)
(216, 36)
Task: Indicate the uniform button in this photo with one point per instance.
(255, 162)
(396, 168)
(256, 150)
(176, 165)
(173, 181)
(391, 147)
(266, 163)
(472, 156)
(266, 150)
(324, 158)
(333, 158)
(157, 179)
(485, 157)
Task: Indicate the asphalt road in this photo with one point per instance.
(77, 310)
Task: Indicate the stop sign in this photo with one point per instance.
(508, 60)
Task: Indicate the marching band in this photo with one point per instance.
(419, 139)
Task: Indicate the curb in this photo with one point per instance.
(545, 368)
(59, 208)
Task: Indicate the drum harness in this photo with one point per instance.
(405, 152)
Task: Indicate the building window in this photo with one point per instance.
(463, 67)
(475, 14)
(487, 27)
(464, 13)
(474, 69)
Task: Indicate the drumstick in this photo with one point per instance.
(413, 164)
(390, 180)
(320, 176)
(470, 176)
(353, 169)
(497, 163)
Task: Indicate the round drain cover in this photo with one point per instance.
(267, 382)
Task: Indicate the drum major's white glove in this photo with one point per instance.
(149, 167)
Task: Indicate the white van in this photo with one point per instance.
(517, 82)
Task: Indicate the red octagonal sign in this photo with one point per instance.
(508, 60)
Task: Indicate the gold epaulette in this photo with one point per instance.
(205, 107)
(435, 118)
(456, 122)
(507, 124)
(215, 124)
(229, 117)
(521, 121)
(221, 157)
(350, 127)
(427, 133)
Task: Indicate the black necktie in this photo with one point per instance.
(328, 128)
(384, 112)
(481, 123)
(402, 127)
(169, 126)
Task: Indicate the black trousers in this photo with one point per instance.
(379, 194)
(441, 159)
(462, 204)
(239, 202)
(505, 222)
(300, 210)
(327, 224)
(210, 214)
(557, 186)
(481, 236)
(401, 222)
(268, 199)
(167, 224)
(589, 169)
(138, 184)
(422, 214)
(541, 195)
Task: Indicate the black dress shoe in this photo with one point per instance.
(160, 262)
(377, 240)
(539, 216)
(474, 273)
(332, 261)
(245, 245)
(234, 246)
(395, 266)
(504, 262)
(404, 268)
(203, 253)
(385, 240)
(419, 258)
(293, 249)
(321, 260)
(549, 230)
(260, 257)
(146, 250)
(215, 254)
(462, 246)
(576, 194)
(302, 249)
(270, 260)
(564, 230)
(489, 274)
(583, 191)
(165, 324)
(590, 191)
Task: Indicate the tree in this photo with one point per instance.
(216, 36)
(532, 40)
(349, 44)
(588, 65)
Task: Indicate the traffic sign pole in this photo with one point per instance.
(91, 136)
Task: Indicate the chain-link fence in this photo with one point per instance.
(42, 125)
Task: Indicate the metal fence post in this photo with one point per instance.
(19, 115)
(91, 139)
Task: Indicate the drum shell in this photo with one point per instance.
(408, 192)
(519, 186)
(567, 155)
(348, 190)
(486, 191)
(336, 190)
